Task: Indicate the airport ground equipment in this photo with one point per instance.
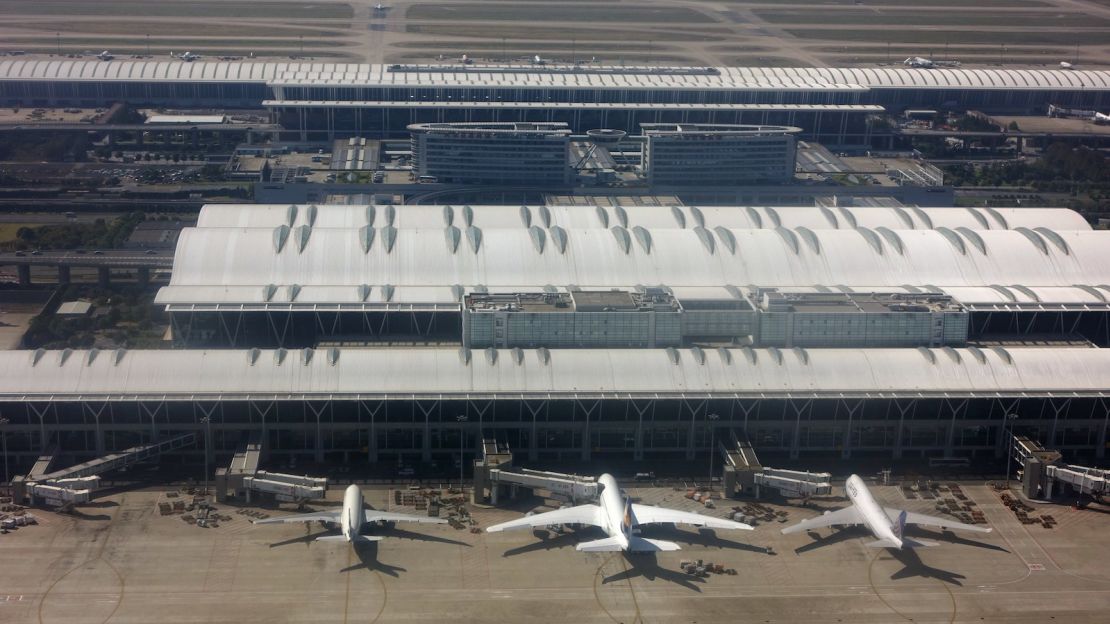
(1043, 471)
(744, 474)
(243, 478)
(494, 471)
(77, 484)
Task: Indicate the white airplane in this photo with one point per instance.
(105, 56)
(917, 61)
(188, 57)
(351, 519)
(466, 60)
(1066, 65)
(380, 7)
(1101, 119)
(885, 523)
(618, 517)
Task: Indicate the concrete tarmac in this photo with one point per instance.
(118, 560)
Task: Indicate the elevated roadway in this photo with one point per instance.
(142, 262)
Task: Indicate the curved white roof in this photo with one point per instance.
(651, 217)
(222, 265)
(446, 373)
(813, 78)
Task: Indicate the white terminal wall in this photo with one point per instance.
(229, 257)
(406, 372)
(651, 217)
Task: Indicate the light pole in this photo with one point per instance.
(4, 440)
(1009, 437)
(712, 418)
(462, 436)
(207, 449)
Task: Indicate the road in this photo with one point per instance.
(120, 258)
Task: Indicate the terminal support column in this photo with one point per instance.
(1100, 446)
(587, 437)
(950, 441)
(899, 436)
(24, 271)
(372, 431)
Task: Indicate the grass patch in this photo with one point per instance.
(8, 230)
(493, 33)
(177, 28)
(283, 51)
(763, 61)
(601, 12)
(899, 17)
(612, 57)
(292, 46)
(939, 37)
(922, 3)
(178, 8)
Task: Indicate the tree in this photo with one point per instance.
(26, 234)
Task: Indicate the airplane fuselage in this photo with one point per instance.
(350, 522)
(872, 514)
(612, 506)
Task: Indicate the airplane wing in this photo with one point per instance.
(646, 514)
(848, 515)
(933, 521)
(373, 515)
(582, 514)
(323, 516)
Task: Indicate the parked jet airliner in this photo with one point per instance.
(885, 523)
(618, 516)
(351, 519)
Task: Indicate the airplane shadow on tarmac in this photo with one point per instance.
(839, 534)
(912, 566)
(702, 537)
(546, 542)
(948, 537)
(647, 566)
(367, 553)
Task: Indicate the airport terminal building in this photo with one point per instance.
(505, 154)
(356, 333)
(316, 101)
(707, 154)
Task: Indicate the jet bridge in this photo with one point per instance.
(76, 484)
(242, 478)
(494, 471)
(1041, 471)
(744, 474)
(63, 492)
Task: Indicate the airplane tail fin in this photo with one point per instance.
(641, 544)
(900, 526)
(608, 544)
(357, 539)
